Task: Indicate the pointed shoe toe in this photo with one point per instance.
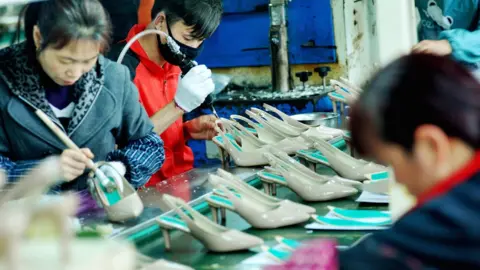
(283, 216)
(128, 208)
(300, 207)
(314, 191)
(239, 241)
(294, 215)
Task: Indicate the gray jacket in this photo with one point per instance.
(107, 113)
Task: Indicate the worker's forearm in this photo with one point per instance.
(464, 44)
(165, 117)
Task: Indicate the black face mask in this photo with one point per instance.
(169, 56)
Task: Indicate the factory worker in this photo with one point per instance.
(166, 96)
(409, 118)
(450, 27)
(60, 71)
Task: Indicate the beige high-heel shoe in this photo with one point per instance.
(349, 95)
(260, 196)
(237, 137)
(119, 205)
(286, 129)
(247, 140)
(344, 164)
(260, 214)
(264, 133)
(281, 131)
(352, 87)
(215, 237)
(240, 156)
(251, 143)
(318, 188)
(312, 174)
(288, 119)
(379, 183)
(272, 130)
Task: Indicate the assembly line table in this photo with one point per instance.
(193, 187)
(187, 250)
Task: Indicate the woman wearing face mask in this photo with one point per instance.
(164, 96)
(60, 70)
(409, 117)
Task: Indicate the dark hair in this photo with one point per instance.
(415, 90)
(203, 15)
(61, 21)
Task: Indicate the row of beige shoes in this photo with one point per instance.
(260, 210)
(345, 93)
(246, 146)
(265, 139)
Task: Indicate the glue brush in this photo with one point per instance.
(70, 144)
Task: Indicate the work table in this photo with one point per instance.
(191, 186)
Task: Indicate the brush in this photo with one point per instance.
(109, 185)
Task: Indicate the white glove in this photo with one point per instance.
(194, 88)
(112, 170)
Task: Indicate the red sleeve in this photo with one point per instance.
(186, 134)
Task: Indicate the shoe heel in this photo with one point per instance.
(166, 239)
(270, 181)
(224, 157)
(334, 105)
(219, 215)
(214, 211)
(170, 223)
(273, 189)
(217, 203)
(223, 215)
(312, 166)
(267, 188)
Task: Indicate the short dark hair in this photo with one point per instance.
(415, 90)
(61, 21)
(203, 15)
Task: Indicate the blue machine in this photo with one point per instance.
(242, 38)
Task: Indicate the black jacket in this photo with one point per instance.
(444, 233)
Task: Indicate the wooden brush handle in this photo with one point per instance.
(62, 136)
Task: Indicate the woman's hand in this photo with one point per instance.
(435, 47)
(73, 163)
(201, 128)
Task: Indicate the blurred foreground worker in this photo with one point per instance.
(164, 95)
(409, 118)
(450, 27)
